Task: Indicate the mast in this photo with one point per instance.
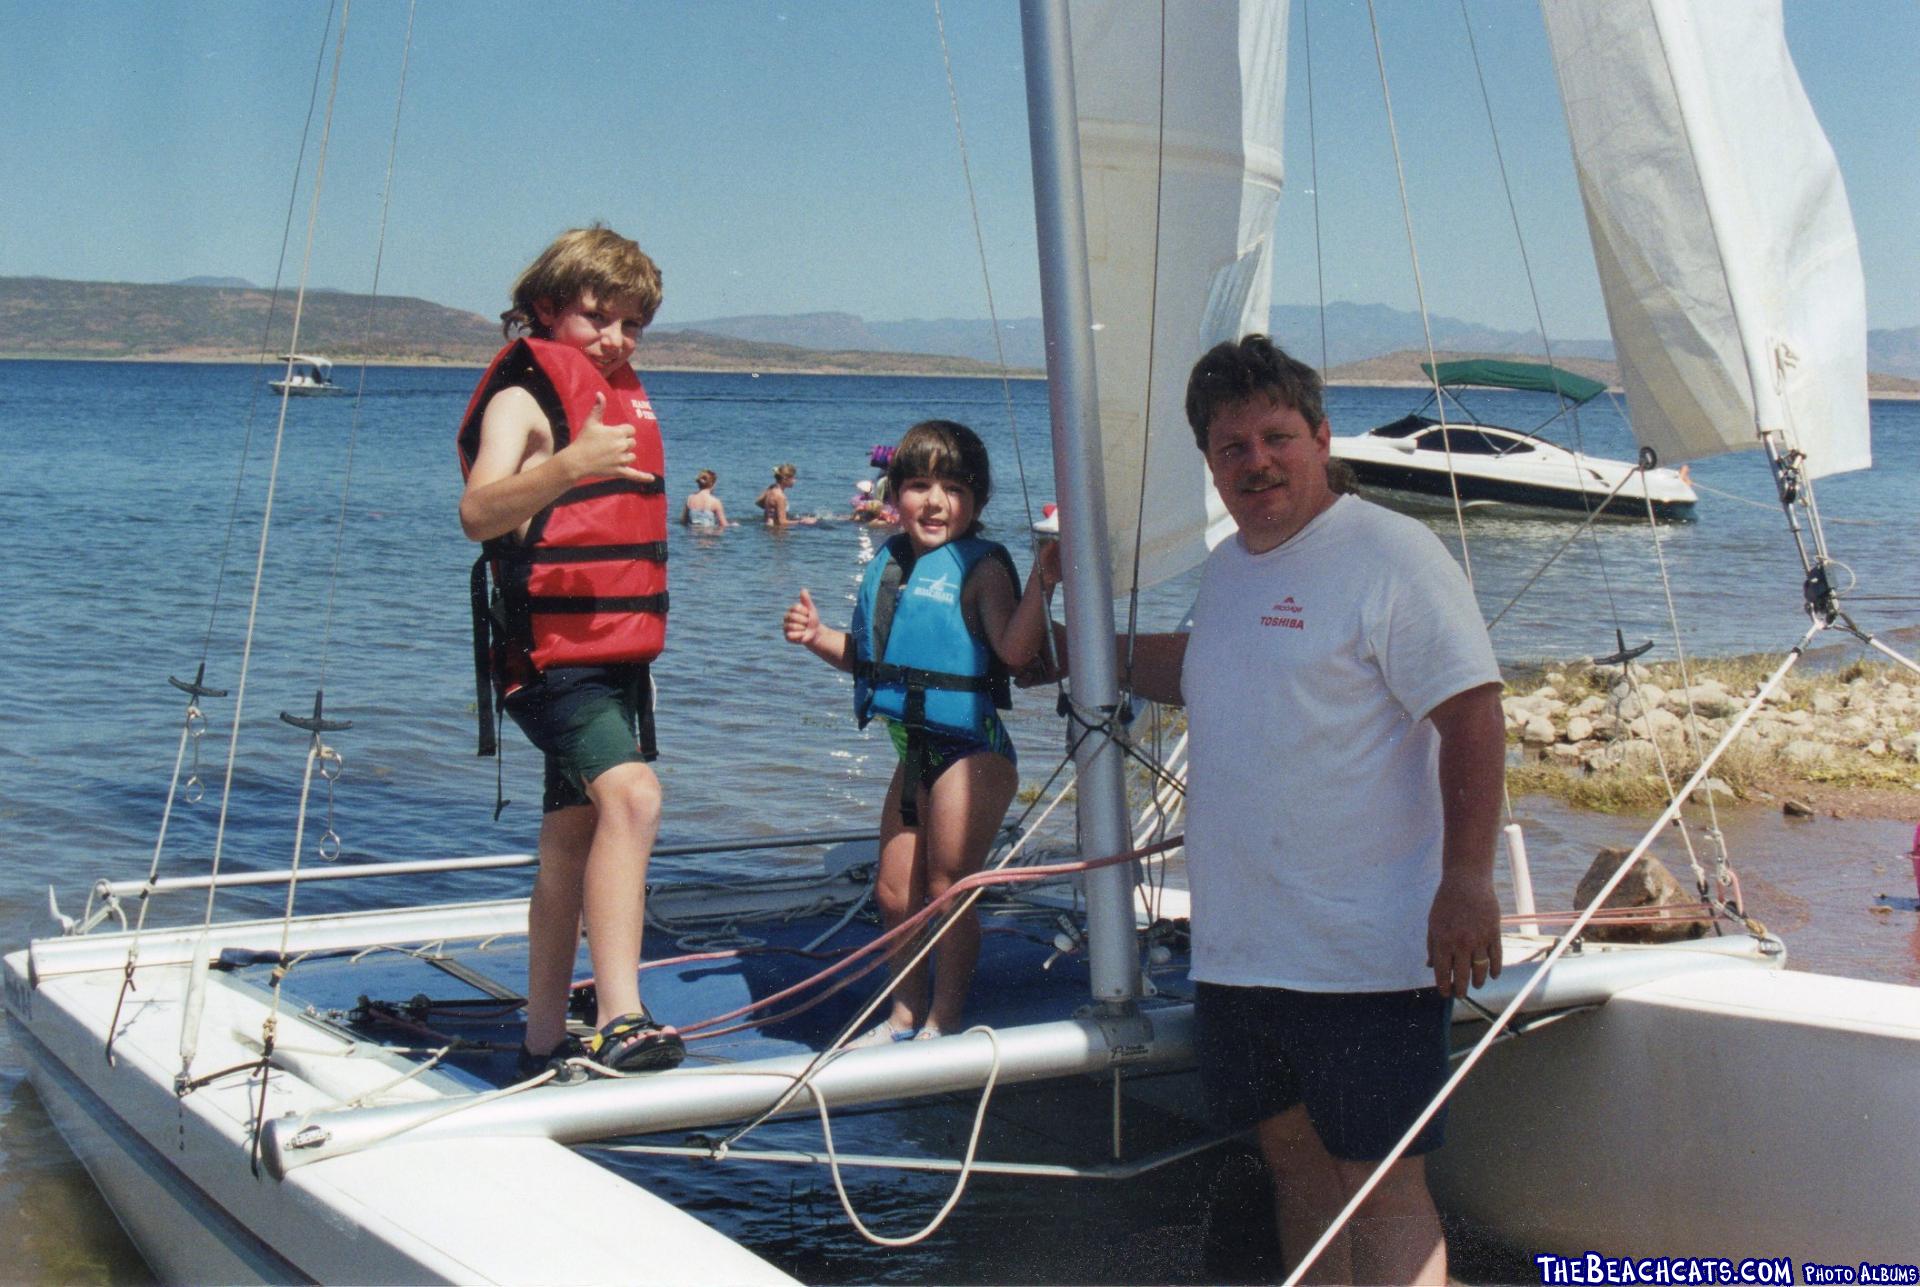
(1072, 395)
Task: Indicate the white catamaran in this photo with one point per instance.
(260, 1100)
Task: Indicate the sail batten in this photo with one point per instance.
(1721, 229)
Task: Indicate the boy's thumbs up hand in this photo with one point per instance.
(802, 622)
(600, 448)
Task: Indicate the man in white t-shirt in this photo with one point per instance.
(1347, 751)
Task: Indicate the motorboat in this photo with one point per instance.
(307, 376)
(1442, 450)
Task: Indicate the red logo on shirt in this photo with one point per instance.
(1287, 614)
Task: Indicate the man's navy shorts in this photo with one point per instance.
(1364, 1063)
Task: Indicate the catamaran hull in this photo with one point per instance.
(439, 1204)
(176, 1169)
(1710, 1113)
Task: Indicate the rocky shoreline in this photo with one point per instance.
(1611, 738)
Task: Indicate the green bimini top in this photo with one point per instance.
(1537, 376)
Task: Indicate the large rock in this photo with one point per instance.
(1709, 697)
(1648, 884)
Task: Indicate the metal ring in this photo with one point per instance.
(193, 791)
(331, 765)
(329, 847)
(196, 722)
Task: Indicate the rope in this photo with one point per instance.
(963, 891)
(966, 1163)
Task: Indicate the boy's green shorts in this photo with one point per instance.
(584, 720)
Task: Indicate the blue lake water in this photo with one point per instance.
(119, 479)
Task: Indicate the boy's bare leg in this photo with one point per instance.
(899, 891)
(962, 812)
(553, 923)
(614, 891)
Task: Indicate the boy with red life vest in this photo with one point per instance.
(561, 452)
(939, 622)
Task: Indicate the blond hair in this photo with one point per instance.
(784, 471)
(596, 258)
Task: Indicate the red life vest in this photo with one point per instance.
(587, 584)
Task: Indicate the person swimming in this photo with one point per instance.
(703, 508)
(773, 501)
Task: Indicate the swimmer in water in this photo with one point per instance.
(703, 508)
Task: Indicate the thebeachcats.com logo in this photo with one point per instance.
(1592, 1267)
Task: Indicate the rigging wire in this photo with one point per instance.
(273, 472)
(193, 723)
(366, 342)
(1153, 336)
(1533, 289)
(266, 333)
(1313, 171)
(986, 276)
(1419, 285)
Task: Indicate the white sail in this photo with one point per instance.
(1724, 239)
(1179, 241)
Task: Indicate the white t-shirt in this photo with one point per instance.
(1314, 814)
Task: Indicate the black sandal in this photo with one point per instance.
(526, 1064)
(636, 1043)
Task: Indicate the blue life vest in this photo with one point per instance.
(915, 660)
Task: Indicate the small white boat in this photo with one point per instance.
(307, 376)
(1422, 461)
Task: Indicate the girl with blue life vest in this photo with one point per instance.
(938, 625)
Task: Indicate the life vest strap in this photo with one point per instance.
(644, 551)
(612, 487)
(483, 701)
(591, 603)
(915, 679)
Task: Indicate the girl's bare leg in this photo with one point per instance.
(900, 891)
(961, 813)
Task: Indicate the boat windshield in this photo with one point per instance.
(1404, 427)
(1471, 442)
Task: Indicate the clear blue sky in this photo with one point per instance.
(798, 156)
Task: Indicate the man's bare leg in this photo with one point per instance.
(1395, 1235)
(1308, 1193)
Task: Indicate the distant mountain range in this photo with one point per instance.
(1355, 333)
(222, 317)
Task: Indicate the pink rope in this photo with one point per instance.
(881, 947)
